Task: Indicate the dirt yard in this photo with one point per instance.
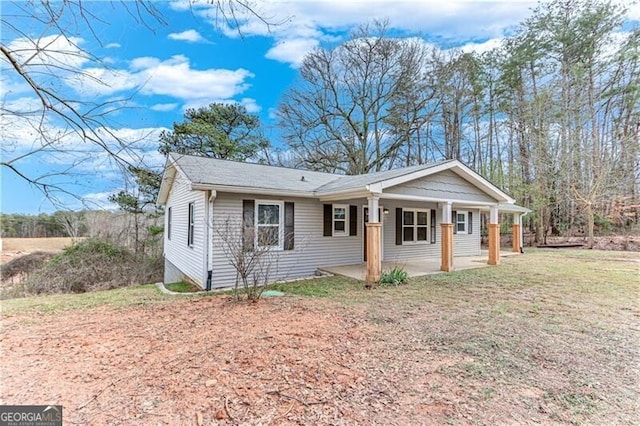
(548, 337)
(15, 247)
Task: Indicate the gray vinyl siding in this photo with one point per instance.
(189, 260)
(463, 244)
(445, 185)
(311, 248)
(468, 244)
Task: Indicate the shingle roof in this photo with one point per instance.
(237, 176)
(360, 181)
(202, 170)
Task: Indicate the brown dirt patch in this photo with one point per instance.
(281, 361)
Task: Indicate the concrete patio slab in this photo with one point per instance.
(413, 267)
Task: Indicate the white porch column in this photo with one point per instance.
(516, 233)
(446, 212)
(373, 204)
(374, 241)
(494, 237)
(446, 237)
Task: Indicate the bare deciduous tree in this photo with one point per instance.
(346, 114)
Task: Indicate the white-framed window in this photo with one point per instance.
(192, 224)
(340, 219)
(461, 222)
(169, 223)
(415, 225)
(269, 224)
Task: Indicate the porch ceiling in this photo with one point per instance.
(414, 267)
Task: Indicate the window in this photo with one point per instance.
(192, 225)
(269, 224)
(169, 223)
(461, 222)
(415, 225)
(340, 219)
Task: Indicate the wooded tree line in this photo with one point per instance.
(139, 232)
(552, 116)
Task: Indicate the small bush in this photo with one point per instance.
(395, 276)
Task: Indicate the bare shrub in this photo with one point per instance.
(24, 265)
(91, 265)
(254, 257)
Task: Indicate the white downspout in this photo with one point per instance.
(209, 243)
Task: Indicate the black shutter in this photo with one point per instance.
(288, 226)
(454, 220)
(353, 220)
(470, 230)
(328, 220)
(433, 226)
(398, 226)
(248, 223)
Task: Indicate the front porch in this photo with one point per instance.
(413, 267)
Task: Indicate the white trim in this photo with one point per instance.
(344, 233)
(256, 225)
(364, 230)
(166, 183)
(251, 190)
(466, 222)
(476, 204)
(415, 226)
(344, 195)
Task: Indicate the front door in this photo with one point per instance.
(365, 215)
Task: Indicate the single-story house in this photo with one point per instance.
(311, 219)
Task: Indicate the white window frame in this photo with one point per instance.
(465, 222)
(415, 226)
(169, 218)
(346, 220)
(191, 223)
(280, 225)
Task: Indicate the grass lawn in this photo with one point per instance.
(117, 298)
(552, 336)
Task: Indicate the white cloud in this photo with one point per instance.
(164, 107)
(101, 81)
(251, 105)
(191, 36)
(54, 51)
(292, 51)
(112, 46)
(304, 23)
(172, 77)
(485, 46)
(175, 77)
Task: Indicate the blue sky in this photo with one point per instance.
(191, 60)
